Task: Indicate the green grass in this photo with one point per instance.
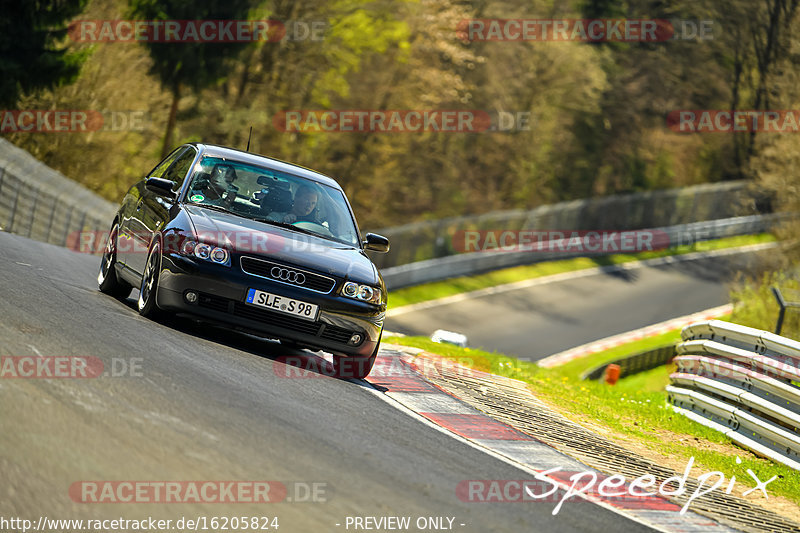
(635, 409)
(755, 305)
(450, 287)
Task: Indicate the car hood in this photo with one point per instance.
(260, 239)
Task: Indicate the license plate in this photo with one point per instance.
(282, 304)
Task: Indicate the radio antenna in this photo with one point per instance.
(248, 139)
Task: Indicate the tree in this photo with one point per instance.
(195, 65)
(30, 58)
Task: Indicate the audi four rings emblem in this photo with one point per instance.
(285, 274)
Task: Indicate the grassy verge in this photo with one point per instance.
(634, 412)
(450, 287)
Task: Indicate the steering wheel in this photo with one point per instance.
(313, 226)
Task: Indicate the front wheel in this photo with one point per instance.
(355, 366)
(149, 288)
(107, 280)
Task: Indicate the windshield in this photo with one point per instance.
(272, 196)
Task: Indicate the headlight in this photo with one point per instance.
(219, 255)
(188, 247)
(203, 251)
(364, 293)
(206, 252)
(350, 289)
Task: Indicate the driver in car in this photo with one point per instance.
(218, 187)
(303, 208)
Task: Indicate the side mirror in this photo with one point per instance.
(376, 243)
(160, 186)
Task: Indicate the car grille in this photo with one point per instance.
(336, 334)
(287, 274)
(277, 319)
(209, 301)
(323, 331)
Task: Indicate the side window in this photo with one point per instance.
(178, 171)
(164, 165)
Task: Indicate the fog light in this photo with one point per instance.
(191, 297)
(355, 339)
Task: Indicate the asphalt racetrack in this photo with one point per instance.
(192, 402)
(542, 320)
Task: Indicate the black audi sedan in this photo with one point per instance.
(252, 243)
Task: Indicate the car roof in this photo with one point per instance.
(225, 152)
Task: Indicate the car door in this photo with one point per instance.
(135, 226)
(156, 209)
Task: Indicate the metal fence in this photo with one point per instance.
(39, 202)
(633, 364)
(477, 262)
(42, 204)
(434, 239)
(744, 383)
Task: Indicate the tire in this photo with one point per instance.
(107, 280)
(355, 366)
(149, 288)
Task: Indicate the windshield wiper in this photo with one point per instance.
(217, 208)
(289, 226)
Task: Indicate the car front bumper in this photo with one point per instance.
(222, 291)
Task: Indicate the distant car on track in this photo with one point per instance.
(252, 243)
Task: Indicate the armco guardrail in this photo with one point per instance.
(742, 382)
(633, 364)
(476, 262)
(41, 203)
(433, 239)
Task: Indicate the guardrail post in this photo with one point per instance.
(52, 216)
(32, 217)
(14, 207)
(783, 305)
(782, 312)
